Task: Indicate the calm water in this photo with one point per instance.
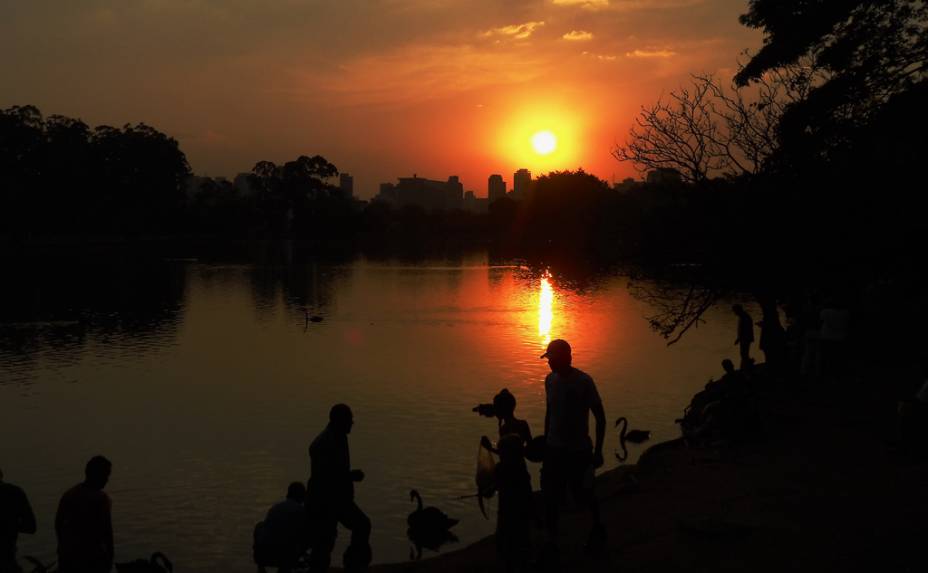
(201, 384)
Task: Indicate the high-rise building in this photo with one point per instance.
(470, 201)
(346, 184)
(521, 183)
(496, 187)
(426, 193)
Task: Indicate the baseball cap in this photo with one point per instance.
(557, 346)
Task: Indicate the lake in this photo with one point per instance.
(204, 384)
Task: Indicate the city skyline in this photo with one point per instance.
(378, 88)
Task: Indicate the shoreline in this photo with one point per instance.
(822, 492)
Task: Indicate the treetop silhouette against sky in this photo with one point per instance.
(382, 89)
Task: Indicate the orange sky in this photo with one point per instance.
(382, 88)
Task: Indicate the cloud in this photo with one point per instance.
(515, 31)
(578, 36)
(601, 57)
(421, 72)
(646, 53)
(628, 5)
(631, 5)
(588, 4)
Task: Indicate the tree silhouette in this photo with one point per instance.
(871, 52)
(704, 130)
(294, 197)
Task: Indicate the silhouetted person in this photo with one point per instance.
(504, 407)
(912, 421)
(772, 336)
(809, 328)
(83, 523)
(832, 340)
(745, 334)
(331, 496)
(731, 381)
(283, 536)
(570, 458)
(516, 510)
(705, 415)
(15, 517)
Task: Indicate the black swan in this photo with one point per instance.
(428, 519)
(633, 436)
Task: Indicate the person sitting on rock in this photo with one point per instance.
(283, 537)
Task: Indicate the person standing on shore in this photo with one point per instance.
(84, 525)
(745, 334)
(331, 496)
(772, 336)
(16, 517)
(570, 458)
(516, 510)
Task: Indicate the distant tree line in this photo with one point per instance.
(62, 178)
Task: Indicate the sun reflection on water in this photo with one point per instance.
(545, 308)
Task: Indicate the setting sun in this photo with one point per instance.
(541, 136)
(544, 142)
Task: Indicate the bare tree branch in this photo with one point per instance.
(704, 130)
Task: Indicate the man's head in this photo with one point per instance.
(504, 404)
(341, 419)
(97, 472)
(558, 355)
(728, 366)
(296, 491)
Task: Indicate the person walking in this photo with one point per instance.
(83, 523)
(16, 517)
(331, 496)
(570, 457)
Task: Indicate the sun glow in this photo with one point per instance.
(542, 137)
(544, 142)
(545, 308)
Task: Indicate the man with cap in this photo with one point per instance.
(570, 456)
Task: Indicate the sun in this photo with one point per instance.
(544, 142)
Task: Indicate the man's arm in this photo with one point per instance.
(600, 415)
(108, 530)
(27, 520)
(59, 519)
